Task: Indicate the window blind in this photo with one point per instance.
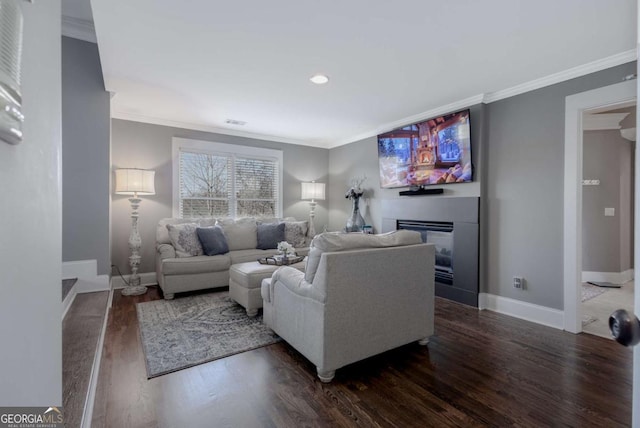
(222, 184)
(256, 187)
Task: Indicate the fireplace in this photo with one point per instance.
(441, 235)
(452, 225)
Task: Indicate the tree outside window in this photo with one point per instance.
(221, 184)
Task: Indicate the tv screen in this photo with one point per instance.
(435, 151)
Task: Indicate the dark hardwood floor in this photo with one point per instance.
(480, 369)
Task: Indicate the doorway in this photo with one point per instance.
(607, 215)
(575, 106)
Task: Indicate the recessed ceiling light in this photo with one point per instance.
(319, 79)
(235, 122)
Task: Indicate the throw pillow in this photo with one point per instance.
(269, 235)
(241, 233)
(213, 240)
(295, 233)
(185, 240)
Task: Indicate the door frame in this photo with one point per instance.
(575, 105)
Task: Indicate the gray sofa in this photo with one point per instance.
(360, 295)
(177, 273)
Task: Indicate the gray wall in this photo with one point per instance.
(149, 146)
(30, 218)
(518, 150)
(606, 241)
(85, 155)
(361, 159)
(524, 188)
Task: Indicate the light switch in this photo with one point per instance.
(609, 212)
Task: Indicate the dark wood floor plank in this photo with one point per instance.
(480, 369)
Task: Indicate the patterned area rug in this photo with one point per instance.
(187, 331)
(590, 291)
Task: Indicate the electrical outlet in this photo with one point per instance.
(518, 282)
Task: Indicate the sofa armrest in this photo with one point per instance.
(166, 251)
(293, 280)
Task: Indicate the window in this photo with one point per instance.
(225, 180)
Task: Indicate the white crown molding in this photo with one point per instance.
(134, 117)
(602, 121)
(572, 73)
(628, 134)
(78, 29)
(448, 108)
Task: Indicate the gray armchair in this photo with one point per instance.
(360, 295)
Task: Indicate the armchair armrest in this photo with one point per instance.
(166, 251)
(293, 280)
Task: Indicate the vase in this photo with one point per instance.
(355, 222)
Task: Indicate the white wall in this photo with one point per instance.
(30, 218)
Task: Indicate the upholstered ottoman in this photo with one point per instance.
(245, 280)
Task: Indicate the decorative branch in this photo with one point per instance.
(356, 191)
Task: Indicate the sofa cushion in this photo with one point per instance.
(295, 233)
(197, 264)
(242, 234)
(250, 275)
(162, 233)
(185, 239)
(269, 234)
(338, 241)
(166, 251)
(212, 240)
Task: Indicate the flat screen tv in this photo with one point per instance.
(431, 152)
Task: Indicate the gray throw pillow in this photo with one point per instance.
(269, 235)
(213, 240)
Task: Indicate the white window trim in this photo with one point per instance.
(212, 147)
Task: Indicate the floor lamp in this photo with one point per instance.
(135, 182)
(312, 191)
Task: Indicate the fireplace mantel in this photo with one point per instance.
(464, 213)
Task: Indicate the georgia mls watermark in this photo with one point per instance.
(31, 417)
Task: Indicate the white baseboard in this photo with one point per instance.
(147, 278)
(79, 269)
(523, 310)
(87, 415)
(88, 280)
(612, 277)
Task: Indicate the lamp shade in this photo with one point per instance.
(313, 191)
(132, 181)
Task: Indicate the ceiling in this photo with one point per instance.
(196, 64)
